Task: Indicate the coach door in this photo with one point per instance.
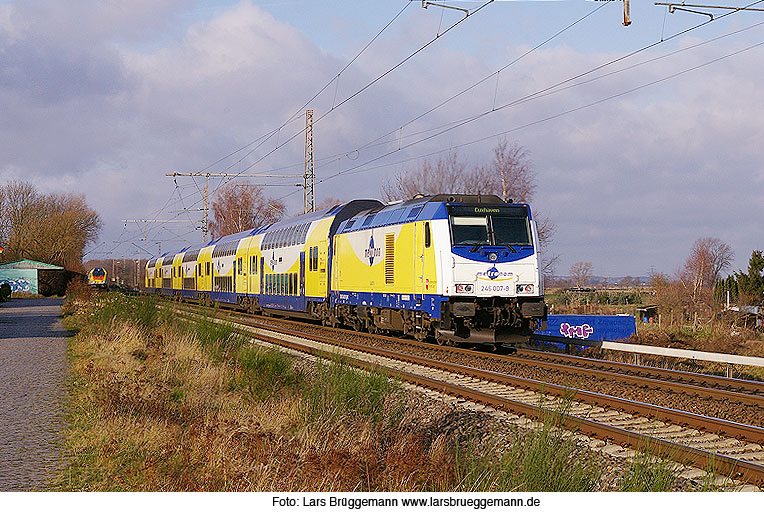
(322, 265)
(423, 261)
(302, 274)
(301, 304)
(418, 262)
(262, 276)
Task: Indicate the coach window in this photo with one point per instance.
(240, 267)
(427, 237)
(207, 272)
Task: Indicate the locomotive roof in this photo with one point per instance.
(423, 207)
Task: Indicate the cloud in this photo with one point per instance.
(104, 99)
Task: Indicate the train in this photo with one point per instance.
(452, 268)
(97, 277)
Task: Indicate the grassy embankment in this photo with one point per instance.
(163, 404)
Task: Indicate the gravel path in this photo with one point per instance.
(33, 374)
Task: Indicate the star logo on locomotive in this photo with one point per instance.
(372, 252)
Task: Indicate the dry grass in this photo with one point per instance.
(163, 406)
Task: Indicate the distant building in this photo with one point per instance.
(33, 277)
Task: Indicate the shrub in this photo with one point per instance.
(5, 291)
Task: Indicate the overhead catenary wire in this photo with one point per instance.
(335, 79)
(354, 170)
(370, 83)
(532, 96)
(460, 123)
(547, 91)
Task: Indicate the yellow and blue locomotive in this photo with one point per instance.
(449, 267)
(97, 277)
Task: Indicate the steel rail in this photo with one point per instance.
(679, 417)
(731, 467)
(676, 385)
(753, 472)
(730, 384)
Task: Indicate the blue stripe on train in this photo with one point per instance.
(429, 303)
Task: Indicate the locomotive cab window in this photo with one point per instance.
(511, 230)
(488, 225)
(470, 230)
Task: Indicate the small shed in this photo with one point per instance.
(30, 276)
(647, 313)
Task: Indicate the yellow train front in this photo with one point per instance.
(452, 267)
(97, 277)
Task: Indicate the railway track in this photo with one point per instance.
(719, 383)
(727, 398)
(732, 448)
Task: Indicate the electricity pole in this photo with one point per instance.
(310, 176)
(206, 192)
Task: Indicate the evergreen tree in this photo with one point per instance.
(751, 285)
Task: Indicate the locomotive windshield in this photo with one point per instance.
(470, 230)
(478, 225)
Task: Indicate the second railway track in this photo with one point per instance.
(732, 447)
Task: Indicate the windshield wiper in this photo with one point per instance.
(511, 249)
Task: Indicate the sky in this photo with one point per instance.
(642, 138)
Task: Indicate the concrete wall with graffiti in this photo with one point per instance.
(20, 280)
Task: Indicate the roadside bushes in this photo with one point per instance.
(598, 297)
(5, 291)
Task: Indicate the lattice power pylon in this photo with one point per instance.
(310, 177)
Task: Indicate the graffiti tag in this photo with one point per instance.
(572, 332)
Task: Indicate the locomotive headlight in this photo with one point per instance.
(464, 288)
(524, 289)
(493, 257)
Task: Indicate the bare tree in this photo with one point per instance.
(53, 228)
(580, 273)
(238, 207)
(327, 203)
(446, 175)
(708, 258)
(509, 175)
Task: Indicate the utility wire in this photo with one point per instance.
(367, 86)
(538, 94)
(357, 169)
(262, 139)
(541, 93)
